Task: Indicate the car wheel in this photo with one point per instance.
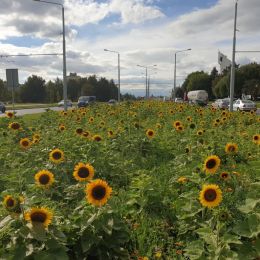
(238, 109)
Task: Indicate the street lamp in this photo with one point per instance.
(146, 79)
(118, 62)
(232, 74)
(175, 56)
(64, 52)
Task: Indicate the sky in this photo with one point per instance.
(144, 32)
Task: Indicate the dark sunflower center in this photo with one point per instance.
(15, 126)
(187, 150)
(231, 148)
(25, 143)
(44, 179)
(99, 192)
(210, 195)
(150, 133)
(98, 138)
(10, 202)
(224, 175)
(256, 137)
(56, 155)
(177, 123)
(83, 172)
(211, 163)
(79, 131)
(38, 217)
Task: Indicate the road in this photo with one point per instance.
(27, 111)
(22, 112)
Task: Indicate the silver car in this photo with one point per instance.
(244, 105)
(221, 103)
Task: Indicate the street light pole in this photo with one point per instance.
(175, 57)
(146, 79)
(232, 75)
(64, 52)
(118, 68)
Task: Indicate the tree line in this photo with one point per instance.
(36, 90)
(247, 81)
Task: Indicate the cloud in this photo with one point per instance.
(145, 36)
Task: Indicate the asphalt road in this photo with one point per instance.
(21, 112)
(27, 111)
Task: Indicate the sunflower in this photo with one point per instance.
(223, 216)
(36, 136)
(86, 134)
(189, 118)
(25, 143)
(83, 172)
(10, 114)
(231, 148)
(200, 132)
(211, 164)
(9, 202)
(56, 156)
(62, 127)
(158, 125)
(79, 131)
(98, 192)
(97, 138)
(180, 128)
(210, 196)
(150, 133)
(42, 216)
(187, 149)
(44, 178)
(14, 126)
(91, 120)
(224, 176)
(176, 124)
(110, 133)
(182, 180)
(256, 139)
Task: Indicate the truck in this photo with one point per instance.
(199, 97)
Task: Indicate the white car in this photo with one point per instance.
(221, 103)
(61, 103)
(244, 105)
(178, 100)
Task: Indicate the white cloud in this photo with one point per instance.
(203, 30)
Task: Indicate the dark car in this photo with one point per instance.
(2, 107)
(86, 100)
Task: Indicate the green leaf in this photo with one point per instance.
(249, 205)
(194, 250)
(231, 239)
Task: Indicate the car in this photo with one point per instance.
(61, 103)
(221, 103)
(244, 105)
(112, 101)
(86, 100)
(178, 100)
(2, 107)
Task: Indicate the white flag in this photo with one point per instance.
(223, 61)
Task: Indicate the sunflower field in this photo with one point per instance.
(140, 180)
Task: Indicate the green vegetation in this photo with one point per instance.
(140, 180)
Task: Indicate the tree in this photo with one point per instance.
(54, 91)
(198, 80)
(5, 94)
(33, 90)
